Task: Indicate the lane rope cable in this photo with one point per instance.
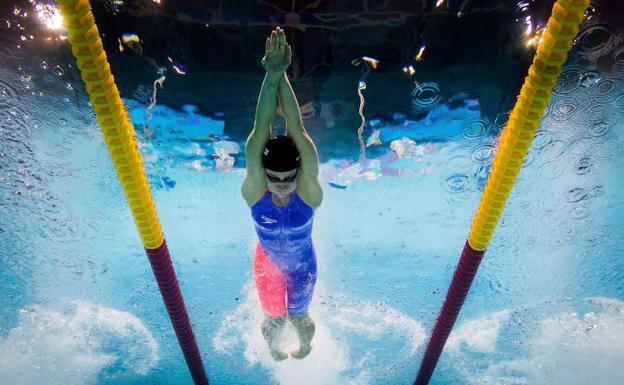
(557, 39)
(86, 45)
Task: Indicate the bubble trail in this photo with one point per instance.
(368, 63)
(361, 86)
(148, 114)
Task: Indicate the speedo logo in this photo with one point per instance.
(267, 220)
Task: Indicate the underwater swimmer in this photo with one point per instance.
(282, 189)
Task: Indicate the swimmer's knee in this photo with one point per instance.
(272, 321)
(302, 318)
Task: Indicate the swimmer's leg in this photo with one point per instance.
(271, 328)
(271, 287)
(300, 291)
(305, 330)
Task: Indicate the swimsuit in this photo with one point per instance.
(285, 261)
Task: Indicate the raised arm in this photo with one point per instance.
(308, 185)
(265, 115)
(275, 63)
(295, 129)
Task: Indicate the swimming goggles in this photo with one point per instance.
(275, 179)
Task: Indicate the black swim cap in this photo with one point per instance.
(280, 154)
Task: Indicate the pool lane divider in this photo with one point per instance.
(557, 39)
(86, 45)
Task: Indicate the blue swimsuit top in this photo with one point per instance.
(285, 232)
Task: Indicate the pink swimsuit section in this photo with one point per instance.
(270, 283)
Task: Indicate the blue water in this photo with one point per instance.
(80, 305)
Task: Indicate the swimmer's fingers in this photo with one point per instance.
(273, 41)
(280, 47)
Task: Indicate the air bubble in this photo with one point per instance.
(576, 194)
(456, 183)
(590, 12)
(596, 191)
(590, 78)
(484, 154)
(569, 81)
(425, 96)
(599, 129)
(501, 120)
(584, 165)
(474, 129)
(58, 70)
(594, 41)
(605, 91)
(36, 123)
(563, 108)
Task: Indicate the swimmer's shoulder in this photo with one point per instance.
(253, 189)
(310, 192)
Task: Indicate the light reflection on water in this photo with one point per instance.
(387, 245)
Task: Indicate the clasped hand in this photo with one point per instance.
(278, 54)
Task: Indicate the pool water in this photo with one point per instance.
(80, 305)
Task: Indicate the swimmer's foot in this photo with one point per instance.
(278, 355)
(302, 352)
